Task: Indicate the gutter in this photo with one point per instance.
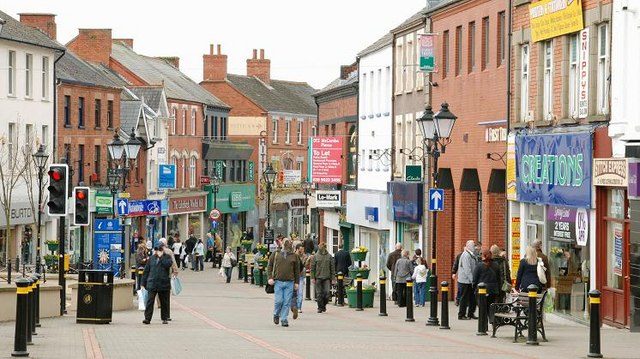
(54, 150)
(509, 41)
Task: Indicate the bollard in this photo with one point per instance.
(409, 301)
(340, 289)
(594, 324)
(253, 280)
(239, 268)
(133, 277)
(9, 271)
(532, 338)
(433, 306)
(383, 296)
(32, 304)
(246, 274)
(139, 278)
(444, 316)
(20, 336)
(37, 298)
(359, 292)
(29, 310)
(261, 270)
(482, 309)
(307, 291)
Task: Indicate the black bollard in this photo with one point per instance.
(253, 280)
(444, 316)
(32, 302)
(38, 300)
(482, 309)
(383, 296)
(261, 270)
(139, 278)
(532, 338)
(359, 292)
(409, 301)
(307, 290)
(594, 324)
(246, 274)
(20, 336)
(9, 271)
(433, 306)
(239, 268)
(29, 310)
(133, 277)
(340, 289)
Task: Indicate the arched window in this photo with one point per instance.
(192, 171)
(183, 169)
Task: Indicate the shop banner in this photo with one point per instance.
(512, 194)
(515, 246)
(610, 172)
(427, 52)
(326, 160)
(232, 198)
(407, 201)
(634, 184)
(328, 199)
(552, 18)
(189, 204)
(565, 224)
(554, 169)
(250, 171)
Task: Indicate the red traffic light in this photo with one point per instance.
(81, 195)
(55, 175)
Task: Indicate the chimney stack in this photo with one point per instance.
(259, 67)
(43, 22)
(214, 65)
(126, 42)
(346, 70)
(172, 60)
(92, 45)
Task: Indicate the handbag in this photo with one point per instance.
(506, 284)
(542, 272)
(269, 288)
(176, 286)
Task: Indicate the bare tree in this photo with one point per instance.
(30, 176)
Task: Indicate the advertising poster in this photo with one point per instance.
(515, 246)
(617, 250)
(326, 160)
(512, 194)
(552, 18)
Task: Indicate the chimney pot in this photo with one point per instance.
(219, 49)
(255, 54)
(261, 54)
(211, 49)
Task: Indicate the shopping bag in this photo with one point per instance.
(549, 300)
(176, 286)
(142, 299)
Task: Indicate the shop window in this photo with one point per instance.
(524, 83)
(616, 214)
(603, 69)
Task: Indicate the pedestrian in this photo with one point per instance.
(298, 295)
(454, 271)
(537, 244)
(309, 246)
(466, 267)
(283, 270)
(174, 270)
(504, 274)
(198, 256)
(170, 241)
(528, 271)
(391, 266)
(323, 273)
(142, 256)
(416, 254)
(420, 274)
(402, 270)
(190, 245)
(210, 248)
(228, 262)
(155, 279)
(177, 250)
(487, 272)
(342, 259)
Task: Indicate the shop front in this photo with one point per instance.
(22, 232)
(407, 211)
(186, 214)
(331, 223)
(235, 202)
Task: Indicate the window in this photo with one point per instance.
(192, 171)
(45, 78)
(28, 73)
(287, 131)
(399, 70)
(239, 170)
(97, 112)
(471, 47)
(223, 128)
(184, 122)
(67, 111)
(96, 161)
(11, 143)
(364, 93)
(274, 127)
(80, 163)
(524, 82)
(45, 135)
(80, 112)
(408, 64)
(300, 132)
(547, 85)
(485, 43)
(501, 37)
(458, 57)
(183, 170)
(214, 127)
(333, 129)
(616, 214)
(603, 69)
(363, 160)
(372, 95)
(28, 137)
(110, 114)
(193, 122)
(314, 131)
(445, 53)
(232, 171)
(173, 121)
(12, 73)
(573, 76)
(206, 126)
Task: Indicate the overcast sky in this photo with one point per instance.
(305, 40)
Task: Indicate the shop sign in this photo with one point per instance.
(407, 201)
(190, 204)
(495, 134)
(219, 168)
(552, 18)
(610, 172)
(512, 194)
(634, 184)
(166, 176)
(250, 171)
(515, 246)
(144, 207)
(328, 199)
(20, 213)
(565, 224)
(326, 159)
(205, 180)
(413, 173)
(232, 198)
(104, 203)
(235, 198)
(554, 169)
(291, 177)
(583, 82)
(427, 52)
(371, 214)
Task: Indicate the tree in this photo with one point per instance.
(30, 176)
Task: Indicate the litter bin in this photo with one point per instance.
(95, 296)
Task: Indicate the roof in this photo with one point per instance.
(71, 68)
(152, 95)
(278, 95)
(379, 44)
(338, 83)
(158, 71)
(129, 114)
(14, 30)
(410, 21)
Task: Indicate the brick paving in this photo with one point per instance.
(214, 319)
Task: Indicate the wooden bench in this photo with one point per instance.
(516, 314)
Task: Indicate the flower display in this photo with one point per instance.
(361, 249)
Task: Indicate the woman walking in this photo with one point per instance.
(420, 274)
(142, 256)
(198, 256)
(528, 271)
(177, 249)
(487, 272)
(504, 274)
(227, 263)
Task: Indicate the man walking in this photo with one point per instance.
(283, 270)
(454, 273)
(403, 269)
(466, 267)
(323, 272)
(296, 301)
(190, 245)
(391, 266)
(155, 279)
(342, 260)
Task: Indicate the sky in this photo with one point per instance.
(305, 40)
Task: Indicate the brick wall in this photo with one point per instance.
(92, 45)
(186, 143)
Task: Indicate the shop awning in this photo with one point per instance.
(227, 151)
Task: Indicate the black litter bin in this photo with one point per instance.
(95, 296)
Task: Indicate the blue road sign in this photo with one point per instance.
(122, 206)
(166, 176)
(436, 199)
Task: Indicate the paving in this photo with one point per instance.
(215, 319)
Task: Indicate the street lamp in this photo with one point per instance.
(306, 190)
(40, 160)
(436, 131)
(116, 148)
(215, 181)
(270, 177)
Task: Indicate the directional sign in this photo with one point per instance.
(436, 199)
(122, 206)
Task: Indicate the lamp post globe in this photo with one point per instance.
(133, 145)
(444, 121)
(116, 147)
(40, 158)
(270, 175)
(427, 125)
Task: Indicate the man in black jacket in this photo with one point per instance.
(155, 279)
(392, 258)
(189, 245)
(343, 260)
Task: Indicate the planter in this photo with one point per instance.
(367, 297)
(263, 263)
(247, 245)
(52, 247)
(259, 280)
(354, 272)
(359, 256)
(263, 251)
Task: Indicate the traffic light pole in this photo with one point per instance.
(61, 280)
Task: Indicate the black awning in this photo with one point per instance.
(227, 151)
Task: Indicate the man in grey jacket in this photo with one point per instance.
(466, 267)
(402, 271)
(323, 271)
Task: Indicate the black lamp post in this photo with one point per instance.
(215, 181)
(306, 190)
(270, 177)
(40, 160)
(436, 131)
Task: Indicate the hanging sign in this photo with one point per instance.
(427, 52)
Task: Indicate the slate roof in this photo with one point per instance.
(379, 44)
(13, 30)
(71, 68)
(278, 96)
(129, 114)
(338, 83)
(152, 96)
(156, 71)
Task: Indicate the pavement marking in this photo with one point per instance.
(239, 333)
(91, 346)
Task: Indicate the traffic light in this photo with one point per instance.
(81, 213)
(58, 187)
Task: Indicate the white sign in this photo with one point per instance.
(583, 75)
(610, 172)
(292, 177)
(328, 199)
(582, 226)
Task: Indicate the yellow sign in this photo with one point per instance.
(551, 18)
(512, 194)
(515, 246)
(124, 195)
